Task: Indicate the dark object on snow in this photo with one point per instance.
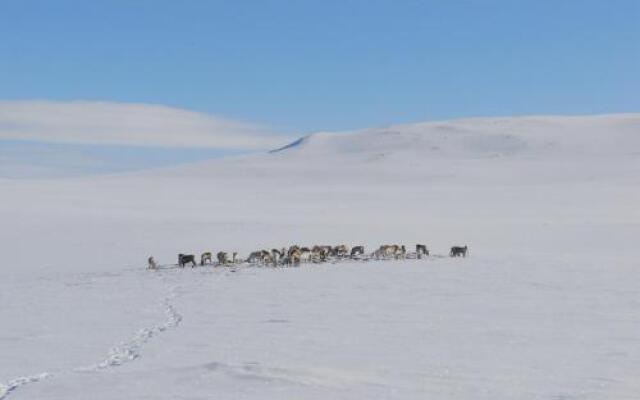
(185, 259)
(205, 257)
(457, 251)
(421, 249)
(222, 258)
(340, 251)
(357, 250)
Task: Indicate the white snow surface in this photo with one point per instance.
(546, 306)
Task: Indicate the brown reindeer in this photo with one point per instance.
(293, 258)
(386, 250)
(401, 252)
(319, 253)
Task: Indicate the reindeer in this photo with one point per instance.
(379, 253)
(262, 256)
(305, 254)
(205, 257)
(357, 250)
(319, 253)
(184, 259)
(152, 263)
(267, 258)
(255, 256)
(341, 251)
(400, 252)
(222, 258)
(293, 257)
(421, 250)
(277, 255)
(457, 251)
(386, 250)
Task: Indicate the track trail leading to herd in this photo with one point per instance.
(131, 349)
(125, 351)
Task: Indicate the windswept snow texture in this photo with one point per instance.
(545, 307)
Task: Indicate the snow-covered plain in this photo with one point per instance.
(547, 306)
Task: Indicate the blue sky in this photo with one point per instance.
(328, 65)
(304, 66)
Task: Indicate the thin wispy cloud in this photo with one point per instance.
(89, 122)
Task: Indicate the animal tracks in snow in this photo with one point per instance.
(14, 384)
(131, 349)
(124, 352)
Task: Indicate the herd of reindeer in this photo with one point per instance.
(295, 255)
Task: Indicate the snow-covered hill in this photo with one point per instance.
(543, 308)
(485, 137)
